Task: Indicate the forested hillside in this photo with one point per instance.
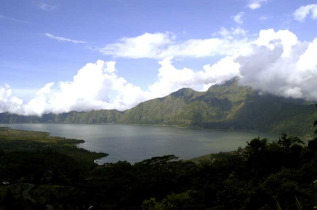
(225, 106)
(37, 174)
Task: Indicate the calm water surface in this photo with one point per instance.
(136, 143)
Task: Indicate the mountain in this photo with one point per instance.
(224, 106)
(91, 117)
(227, 106)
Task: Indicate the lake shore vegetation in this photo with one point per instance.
(43, 172)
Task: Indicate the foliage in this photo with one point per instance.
(263, 175)
(42, 172)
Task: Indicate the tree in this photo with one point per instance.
(286, 142)
(256, 145)
(315, 124)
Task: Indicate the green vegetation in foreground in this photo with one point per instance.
(225, 106)
(277, 175)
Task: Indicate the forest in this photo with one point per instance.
(158, 104)
(38, 171)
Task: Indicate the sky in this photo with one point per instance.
(60, 56)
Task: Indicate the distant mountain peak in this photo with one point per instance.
(225, 106)
(183, 92)
(234, 82)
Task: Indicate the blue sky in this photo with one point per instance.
(58, 56)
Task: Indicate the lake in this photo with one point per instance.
(135, 143)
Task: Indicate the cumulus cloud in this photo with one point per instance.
(301, 13)
(148, 45)
(171, 79)
(97, 86)
(9, 103)
(63, 39)
(91, 88)
(307, 61)
(256, 4)
(269, 38)
(280, 64)
(238, 18)
(162, 45)
(275, 62)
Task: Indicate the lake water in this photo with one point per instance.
(136, 143)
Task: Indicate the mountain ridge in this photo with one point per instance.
(222, 106)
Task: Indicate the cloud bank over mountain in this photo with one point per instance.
(275, 62)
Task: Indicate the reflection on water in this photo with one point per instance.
(136, 143)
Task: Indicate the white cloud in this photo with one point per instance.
(275, 62)
(238, 18)
(45, 6)
(24, 93)
(171, 79)
(162, 45)
(280, 64)
(256, 4)
(59, 38)
(144, 46)
(232, 33)
(198, 48)
(90, 89)
(9, 103)
(301, 13)
(223, 70)
(307, 61)
(270, 39)
(97, 86)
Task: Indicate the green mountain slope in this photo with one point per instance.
(225, 106)
(187, 107)
(91, 117)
